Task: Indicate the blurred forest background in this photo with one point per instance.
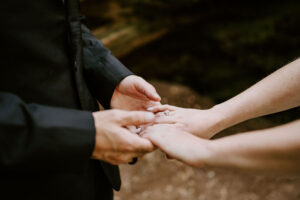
(199, 53)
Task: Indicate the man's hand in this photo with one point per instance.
(116, 144)
(134, 93)
(202, 123)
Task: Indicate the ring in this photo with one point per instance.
(167, 112)
(138, 130)
(134, 160)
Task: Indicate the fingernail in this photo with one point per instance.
(150, 109)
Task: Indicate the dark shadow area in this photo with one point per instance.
(230, 46)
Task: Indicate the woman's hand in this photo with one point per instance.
(178, 144)
(202, 123)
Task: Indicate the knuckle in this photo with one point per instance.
(147, 149)
(135, 115)
(126, 145)
(128, 148)
(139, 78)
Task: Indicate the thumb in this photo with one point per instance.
(147, 90)
(136, 118)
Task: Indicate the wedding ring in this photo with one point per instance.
(138, 130)
(167, 112)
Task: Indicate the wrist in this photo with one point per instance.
(218, 121)
(207, 154)
(215, 156)
(225, 116)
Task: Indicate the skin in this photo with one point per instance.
(277, 92)
(272, 149)
(202, 123)
(115, 143)
(134, 93)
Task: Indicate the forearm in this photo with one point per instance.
(277, 92)
(275, 149)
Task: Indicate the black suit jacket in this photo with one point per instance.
(51, 71)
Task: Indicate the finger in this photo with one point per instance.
(143, 127)
(159, 133)
(135, 118)
(159, 114)
(132, 129)
(112, 158)
(162, 143)
(169, 157)
(147, 89)
(132, 143)
(120, 158)
(156, 138)
(161, 108)
(143, 146)
(162, 119)
(150, 104)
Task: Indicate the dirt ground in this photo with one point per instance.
(156, 178)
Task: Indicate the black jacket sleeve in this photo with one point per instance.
(103, 72)
(35, 138)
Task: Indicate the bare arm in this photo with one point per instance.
(277, 92)
(276, 149)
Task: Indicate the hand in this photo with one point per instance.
(178, 144)
(116, 144)
(202, 123)
(134, 93)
